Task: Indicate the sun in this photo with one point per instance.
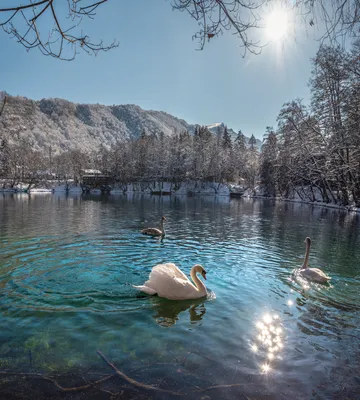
(277, 25)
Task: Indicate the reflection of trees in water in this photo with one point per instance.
(329, 227)
(167, 311)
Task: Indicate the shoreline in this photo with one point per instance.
(78, 190)
(311, 203)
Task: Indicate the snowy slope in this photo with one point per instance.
(64, 125)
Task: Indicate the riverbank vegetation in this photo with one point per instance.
(315, 151)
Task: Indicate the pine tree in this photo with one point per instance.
(196, 131)
(252, 142)
(226, 142)
(240, 141)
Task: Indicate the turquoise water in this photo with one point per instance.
(67, 266)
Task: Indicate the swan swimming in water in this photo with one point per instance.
(155, 231)
(168, 281)
(313, 274)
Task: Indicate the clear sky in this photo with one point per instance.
(157, 66)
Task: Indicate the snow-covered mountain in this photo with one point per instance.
(64, 125)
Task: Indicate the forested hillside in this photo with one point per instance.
(126, 141)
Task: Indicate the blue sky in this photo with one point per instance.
(157, 66)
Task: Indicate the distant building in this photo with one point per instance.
(91, 172)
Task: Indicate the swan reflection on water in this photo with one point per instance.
(268, 341)
(167, 311)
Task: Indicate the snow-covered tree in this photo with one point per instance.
(252, 142)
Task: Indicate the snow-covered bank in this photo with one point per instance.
(153, 187)
(315, 199)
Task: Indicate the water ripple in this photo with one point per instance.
(68, 280)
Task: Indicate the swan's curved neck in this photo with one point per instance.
(306, 260)
(198, 283)
(162, 227)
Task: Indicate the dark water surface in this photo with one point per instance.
(67, 265)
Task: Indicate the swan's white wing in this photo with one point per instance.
(315, 274)
(170, 282)
(169, 269)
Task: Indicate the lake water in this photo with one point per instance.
(68, 263)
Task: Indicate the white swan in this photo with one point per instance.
(313, 274)
(167, 280)
(155, 231)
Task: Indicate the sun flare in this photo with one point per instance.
(277, 25)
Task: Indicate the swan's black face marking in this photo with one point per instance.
(163, 219)
(203, 273)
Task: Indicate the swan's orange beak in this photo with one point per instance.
(203, 274)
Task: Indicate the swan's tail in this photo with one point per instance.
(145, 289)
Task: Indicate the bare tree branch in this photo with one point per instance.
(61, 40)
(338, 20)
(216, 16)
(340, 17)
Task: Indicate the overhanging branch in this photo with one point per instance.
(61, 40)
